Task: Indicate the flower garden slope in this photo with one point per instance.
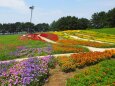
(91, 35)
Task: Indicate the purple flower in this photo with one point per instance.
(27, 71)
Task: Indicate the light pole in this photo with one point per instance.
(31, 8)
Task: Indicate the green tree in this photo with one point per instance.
(67, 23)
(0, 27)
(43, 27)
(83, 23)
(99, 20)
(53, 26)
(111, 17)
(28, 27)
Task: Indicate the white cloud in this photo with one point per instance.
(13, 4)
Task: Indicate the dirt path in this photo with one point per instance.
(58, 78)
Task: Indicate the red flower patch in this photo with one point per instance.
(36, 36)
(50, 36)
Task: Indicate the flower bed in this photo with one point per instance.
(67, 49)
(86, 43)
(67, 64)
(31, 72)
(91, 35)
(101, 74)
(62, 35)
(50, 36)
(31, 37)
(23, 51)
(83, 59)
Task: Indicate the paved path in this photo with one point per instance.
(98, 49)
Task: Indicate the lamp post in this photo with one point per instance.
(31, 8)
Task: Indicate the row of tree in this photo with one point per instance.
(18, 27)
(98, 20)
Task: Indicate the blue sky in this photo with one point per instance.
(12, 11)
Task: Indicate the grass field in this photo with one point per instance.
(105, 30)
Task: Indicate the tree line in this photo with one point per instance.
(98, 20)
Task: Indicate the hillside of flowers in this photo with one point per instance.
(36, 70)
(65, 37)
(91, 35)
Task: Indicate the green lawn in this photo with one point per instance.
(106, 30)
(102, 74)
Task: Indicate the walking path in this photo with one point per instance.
(58, 78)
(21, 59)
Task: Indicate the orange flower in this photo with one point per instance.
(81, 42)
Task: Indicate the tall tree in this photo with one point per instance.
(67, 23)
(28, 27)
(99, 20)
(83, 23)
(111, 17)
(0, 27)
(53, 26)
(43, 27)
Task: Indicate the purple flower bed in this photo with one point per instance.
(31, 72)
(29, 52)
(4, 66)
